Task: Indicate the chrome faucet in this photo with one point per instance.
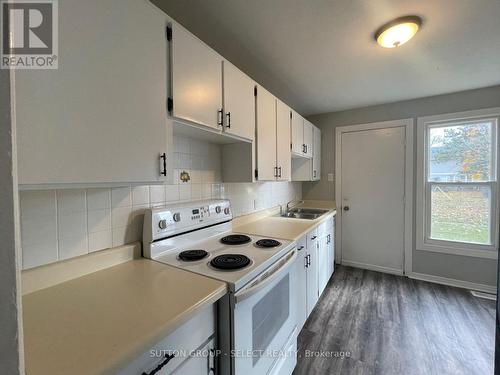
(288, 206)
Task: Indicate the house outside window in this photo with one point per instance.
(457, 186)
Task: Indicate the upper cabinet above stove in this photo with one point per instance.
(101, 117)
(208, 90)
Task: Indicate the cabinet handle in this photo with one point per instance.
(314, 173)
(211, 367)
(308, 260)
(279, 175)
(313, 238)
(300, 248)
(163, 172)
(219, 117)
(167, 359)
(275, 171)
(303, 147)
(228, 116)
(305, 261)
(306, 148)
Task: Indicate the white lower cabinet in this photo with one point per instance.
(315, 266)
(301, 289)
(312, 270)
(187, 350)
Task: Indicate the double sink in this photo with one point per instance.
(303, 213)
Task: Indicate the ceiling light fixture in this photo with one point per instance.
(397, 32)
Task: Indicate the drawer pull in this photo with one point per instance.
(163, 363)
(313, 238)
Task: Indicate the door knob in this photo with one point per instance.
(346, 208)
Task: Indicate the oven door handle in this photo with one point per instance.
(255, 287)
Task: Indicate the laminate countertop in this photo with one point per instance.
(287, 228)
(98, 323)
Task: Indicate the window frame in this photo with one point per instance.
(424, 186)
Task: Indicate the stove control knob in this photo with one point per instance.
(177, 217)
(217, 210)
(226, 210)
(162, 224)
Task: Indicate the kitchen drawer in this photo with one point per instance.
(312, 237)
(188, 337)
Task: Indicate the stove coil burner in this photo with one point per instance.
(267, 242)
(235, 239)
(230, 261)
(192, 255)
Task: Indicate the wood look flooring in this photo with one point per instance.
(395, 325)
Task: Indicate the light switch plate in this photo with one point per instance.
(330, 177)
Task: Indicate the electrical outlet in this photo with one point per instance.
(330, 177)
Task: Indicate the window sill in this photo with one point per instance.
(475, 253)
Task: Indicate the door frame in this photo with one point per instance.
(408, 124)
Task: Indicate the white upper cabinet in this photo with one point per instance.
(297, 134)
(266, 135)
(302, 136)
(308, 139)
(316, 161)
(283, 155)
(239, 102)
(101, 117)
(196, 80)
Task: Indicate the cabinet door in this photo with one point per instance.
(101, 116)
(202, 363)
(283, 155)
(316, 164)
(266, 135)
(239, 102)
(301, 288)
(323, 264)
(297, 133)
(196, 80)
(308, 138)
(312, 277)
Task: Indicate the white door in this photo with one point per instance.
(308, 139)
(196, 79)
(372, 198)
(266, 135)
(297, 133)
(283, 156)
(316, 162)
(239, 102)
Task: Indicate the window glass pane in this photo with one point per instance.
(461, 213)
(461, 153)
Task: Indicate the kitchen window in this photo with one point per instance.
(457, 186)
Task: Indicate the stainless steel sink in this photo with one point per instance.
(303, 213)
(309, 211)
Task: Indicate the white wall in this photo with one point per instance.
(477, 270)
(9, 320)
(61, 224)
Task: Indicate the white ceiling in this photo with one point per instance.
(320, 56)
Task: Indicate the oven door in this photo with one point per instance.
(264, 318)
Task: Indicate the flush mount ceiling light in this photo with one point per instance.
(397, 32)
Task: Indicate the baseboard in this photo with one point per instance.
(372, 267)
(453, 282)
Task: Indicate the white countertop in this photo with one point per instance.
(98, 323)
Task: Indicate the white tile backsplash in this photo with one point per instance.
(57, 225)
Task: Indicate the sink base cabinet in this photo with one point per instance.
(315, 266)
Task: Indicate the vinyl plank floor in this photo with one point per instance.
(368, 322)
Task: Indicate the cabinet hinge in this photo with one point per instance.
(255, 91)
(290, 114)
(170, 104)
(256, 173)
(169, 33)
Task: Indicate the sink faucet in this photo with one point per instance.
(288, 206)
